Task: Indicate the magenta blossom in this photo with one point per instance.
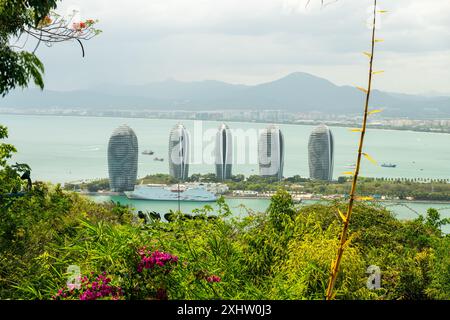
(213, 278)
(91, 288)
(153, 259)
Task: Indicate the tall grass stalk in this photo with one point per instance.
(346, 218)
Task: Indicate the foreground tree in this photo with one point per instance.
(24, 20)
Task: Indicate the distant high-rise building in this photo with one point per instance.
(224, 152)
(122, 159)
(271, 152)
(179, 152)
(321, 153)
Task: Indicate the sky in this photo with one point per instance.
(255, 41)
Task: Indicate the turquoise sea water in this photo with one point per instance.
(239, 207)
(61, 149)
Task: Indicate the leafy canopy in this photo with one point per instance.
(19, 67)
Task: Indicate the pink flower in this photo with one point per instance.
(92, 288)
(213, 278)
(150, 260)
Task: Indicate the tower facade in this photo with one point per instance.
(321, 154)
(179, 145)
(224, 153)
(122, 159)
(271, 152)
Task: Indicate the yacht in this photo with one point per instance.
(171, 193)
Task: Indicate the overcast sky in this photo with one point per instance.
(254, 41)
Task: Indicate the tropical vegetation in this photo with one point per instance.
(56, 244)
(283, 253)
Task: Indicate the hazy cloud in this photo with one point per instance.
(253, 41)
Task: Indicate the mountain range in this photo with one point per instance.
(297, 92)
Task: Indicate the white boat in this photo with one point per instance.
(145, 192)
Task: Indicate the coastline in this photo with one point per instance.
(107, 193)
(300, 122)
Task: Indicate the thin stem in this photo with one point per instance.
(344, 233)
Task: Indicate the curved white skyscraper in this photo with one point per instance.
(271, 152)
(179, 145)
(224, 152)
(321, 153)
(122, 159)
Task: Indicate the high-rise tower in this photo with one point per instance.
(224, 153)
(122, 159)
(321, 153)
(179, 152)
(271, 152)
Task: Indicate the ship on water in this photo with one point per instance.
(172, 193)
(389, 165)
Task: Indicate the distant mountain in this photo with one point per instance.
(297, 92)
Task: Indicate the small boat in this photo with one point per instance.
(158, 159)
(149, 152)
(389, 165)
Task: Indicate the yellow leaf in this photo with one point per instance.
(379, 40)
(367, 54)
(349, 173)
(343, 217)
(375, 111)
(355, 130)
(364, 198)
(370, 158)
(332, 264)
(382, 11)
(362, 89)
(378, 72)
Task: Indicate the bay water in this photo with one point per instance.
(65, 148)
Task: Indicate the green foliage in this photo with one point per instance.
(18, 68)
(434, 221)
(281, 209)
(237, 178)
(6, 150)
(158, 178)
(306, 270)
(91, 186)
(196, 177)
(9, 174)
(284, 253)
